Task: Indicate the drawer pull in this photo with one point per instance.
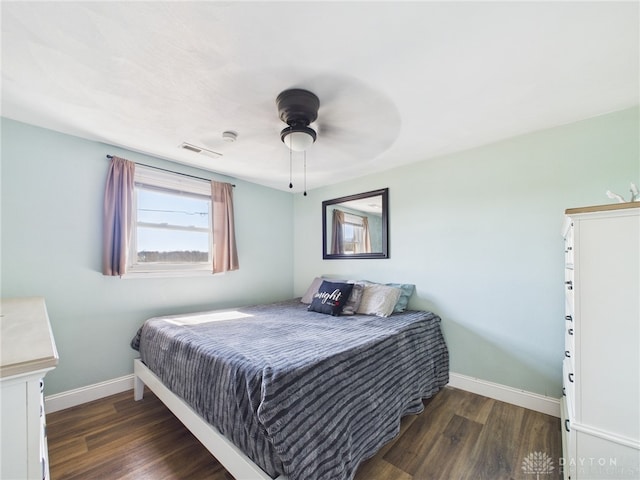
(570, 377)
(569, 318)
(570, 331)
(566, 425)
(567, 353)
(564, 392)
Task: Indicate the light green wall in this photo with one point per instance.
(478, 232)
(52, 193)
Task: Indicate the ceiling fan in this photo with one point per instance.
(298, 108)
(356, 120)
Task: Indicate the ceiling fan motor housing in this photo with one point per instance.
(297, 107)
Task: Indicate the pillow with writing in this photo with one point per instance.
(331, 298)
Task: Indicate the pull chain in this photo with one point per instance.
(305, 173)
(290, 169)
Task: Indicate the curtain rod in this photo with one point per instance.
(170, 171)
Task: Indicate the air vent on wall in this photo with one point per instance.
(201, 150)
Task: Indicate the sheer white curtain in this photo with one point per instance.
(366, 237)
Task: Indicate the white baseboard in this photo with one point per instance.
(78, 396)
(521, 398)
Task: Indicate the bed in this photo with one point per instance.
(278, 391)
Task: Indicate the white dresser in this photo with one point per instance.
(601, 370)
(27, 353)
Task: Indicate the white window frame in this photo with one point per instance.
(175, 184)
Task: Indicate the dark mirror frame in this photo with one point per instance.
(326, 235)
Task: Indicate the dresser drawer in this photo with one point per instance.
(569, 384)
(569, 308)
(568, 253)
(568, 243)
(569, 338)
(568, 291)
(568, 441)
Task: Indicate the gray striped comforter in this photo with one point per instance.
(301, 393)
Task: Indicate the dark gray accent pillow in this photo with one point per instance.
(331, 298)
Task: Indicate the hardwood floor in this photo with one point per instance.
(459, 435)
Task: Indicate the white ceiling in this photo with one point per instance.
(398, 82)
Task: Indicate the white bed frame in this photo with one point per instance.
(230, 456)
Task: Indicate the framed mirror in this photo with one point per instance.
(356, 226)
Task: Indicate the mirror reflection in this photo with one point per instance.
(355, 226)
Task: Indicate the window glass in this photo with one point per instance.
(352, 230)
(172, 225)
(172, 228)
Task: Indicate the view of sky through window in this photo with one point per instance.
(169, 222)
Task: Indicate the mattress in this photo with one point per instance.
(303, 394)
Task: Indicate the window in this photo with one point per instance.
(172, 224)
(353, 234)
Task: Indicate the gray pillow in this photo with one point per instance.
(379, 300)
(353, 303)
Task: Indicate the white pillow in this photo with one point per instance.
(312, 290)
(379, 300)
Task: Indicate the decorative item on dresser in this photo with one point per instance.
(601, 370)
(28, 352)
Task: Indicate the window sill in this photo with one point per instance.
(167, 274)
